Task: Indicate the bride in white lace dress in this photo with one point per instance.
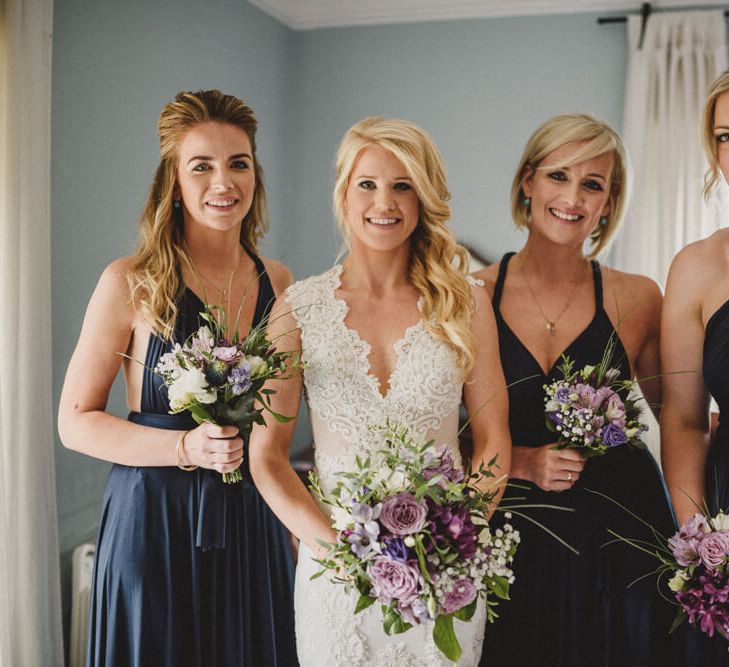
(389, 335)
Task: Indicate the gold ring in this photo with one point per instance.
(569, 476)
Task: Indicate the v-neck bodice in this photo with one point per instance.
(526, 376)
(344, 397)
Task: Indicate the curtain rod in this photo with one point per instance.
(646, 9)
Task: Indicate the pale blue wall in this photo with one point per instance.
(480, 87)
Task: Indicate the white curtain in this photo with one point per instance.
(30, 598)
(667, 81)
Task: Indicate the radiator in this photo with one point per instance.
(82, 572)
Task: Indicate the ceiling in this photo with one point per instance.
(310, 14)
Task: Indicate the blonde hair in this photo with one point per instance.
(718, 88)
(598, 139)
(447, 302)
(155, 278)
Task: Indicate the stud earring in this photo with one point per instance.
(603, 221)
(176, 203)
(527, 203)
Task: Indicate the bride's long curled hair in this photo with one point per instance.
(438, 264)
(155, 278)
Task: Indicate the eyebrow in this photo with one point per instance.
(720, 127)
(567, 168)
(398, 178)
(208, 157)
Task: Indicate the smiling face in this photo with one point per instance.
(568, 201)
(215, 176)
(721, 133)
(381, 205)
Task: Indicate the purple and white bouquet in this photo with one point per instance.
(591, 409)
(413, 534)
(221, 380)
(698, 556)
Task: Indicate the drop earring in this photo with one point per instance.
(527, 203)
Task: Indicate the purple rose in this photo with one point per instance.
(403, 515)
(562, 395)
(393, 580)
(714, 548)
(615, 411)
(461, 595)
(613, 435)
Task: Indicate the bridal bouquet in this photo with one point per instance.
(699, 559)
(413, 535)
(222, 381)
(590, 409)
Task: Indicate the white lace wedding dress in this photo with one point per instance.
(344, 399)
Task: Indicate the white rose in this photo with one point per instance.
(190, 386)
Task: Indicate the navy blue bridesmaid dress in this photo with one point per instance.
(189, 571)
(568, 610)
(703, 650)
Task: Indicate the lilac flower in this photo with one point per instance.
(615, 411)
(713, 549)
(445, 467)
(240, 379)
(392, 580)
(227, 354)
(461, 595)
(414, 613)
(612, 435)
(395, 548)
(585, 394)
(364, 540)
(684, 544)
(402, 514)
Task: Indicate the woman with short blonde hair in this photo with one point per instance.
(553, 299)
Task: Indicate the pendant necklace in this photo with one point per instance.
(550, 325)
(222, 291)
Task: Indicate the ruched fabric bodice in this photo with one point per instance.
(569, 610)
(189, 570)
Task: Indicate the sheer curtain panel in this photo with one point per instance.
(667, 81)
(30, 606)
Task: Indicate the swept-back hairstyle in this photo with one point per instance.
(718, 88)
(155, 278)
(598, 138)
(437, 263)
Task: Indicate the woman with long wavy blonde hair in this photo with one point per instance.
(553, 298)
(389, 335)
(188, 570)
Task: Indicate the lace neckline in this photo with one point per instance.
(362, 348)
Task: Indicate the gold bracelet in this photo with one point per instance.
(178, 448)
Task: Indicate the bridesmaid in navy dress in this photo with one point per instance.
(189, 570)
(552, 299)
(695, 337)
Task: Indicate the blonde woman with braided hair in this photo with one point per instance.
(189, 570)
(389, 334)
(553, 298)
